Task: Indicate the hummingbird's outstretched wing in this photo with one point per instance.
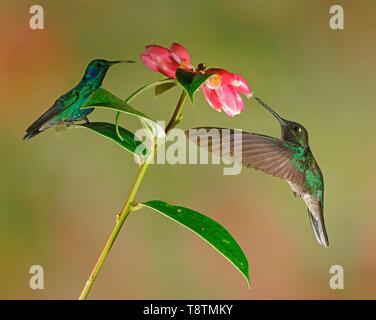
(273, 157)
(253, 150)
(61, 104)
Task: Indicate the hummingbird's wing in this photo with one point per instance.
(253, 150)
(273, 157)
(61, 104)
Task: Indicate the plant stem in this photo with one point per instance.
(135, 94)
(127, 208)
(120, 219)
(147, 87)
(176, 116)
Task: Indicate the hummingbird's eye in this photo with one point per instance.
(297, 129)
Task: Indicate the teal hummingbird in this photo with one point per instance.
(67, 109)
(289, 158)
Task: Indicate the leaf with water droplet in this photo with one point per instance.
(208, 229)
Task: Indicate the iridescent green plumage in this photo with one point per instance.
(67, 109)
(303, 160)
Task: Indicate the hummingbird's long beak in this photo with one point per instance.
(122, 61)
(279, 118)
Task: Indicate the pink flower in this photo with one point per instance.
(166, 61)
(222, 91)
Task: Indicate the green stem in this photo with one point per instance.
(135, 94)
(127, 208)
(147, 87)
(176, 116)
(120, 219)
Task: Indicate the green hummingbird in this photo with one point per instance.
(67, 109)
(289, 158)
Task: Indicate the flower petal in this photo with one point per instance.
(230, 100)
(212, 98)
(155, 51)
(180, 54)
(150, 63)
(168, 68)
(159, 59)
(232, 79)
(225, 76)
(241, 85)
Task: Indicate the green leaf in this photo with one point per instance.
(101, 98)
(108, 130)
(164, 87)
(191, 81)
(206, 228)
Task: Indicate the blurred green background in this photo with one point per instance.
(59, 193)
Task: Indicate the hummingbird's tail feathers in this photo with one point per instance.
(43, 122)
(31, 134)
(37, 127)
(319, 229)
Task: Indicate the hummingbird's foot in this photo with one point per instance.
(86, 119)
(68, 123)
(296, 195)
